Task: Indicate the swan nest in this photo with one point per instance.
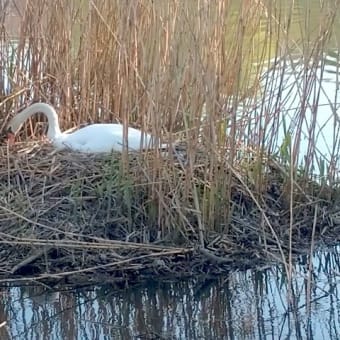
(74, 218)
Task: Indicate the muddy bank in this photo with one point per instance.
(79, 218)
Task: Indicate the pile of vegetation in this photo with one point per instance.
(228, 193)
(79, 218)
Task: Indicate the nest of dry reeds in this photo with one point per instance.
(80, 218)
(178, 70)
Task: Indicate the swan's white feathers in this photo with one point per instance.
(107, 137)
(95, 138)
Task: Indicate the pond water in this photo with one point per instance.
(250, 304)
(303, 104)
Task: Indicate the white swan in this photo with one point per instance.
(95, 138)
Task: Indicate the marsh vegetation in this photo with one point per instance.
(207, 77)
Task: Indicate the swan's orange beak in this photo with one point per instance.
(10, 138)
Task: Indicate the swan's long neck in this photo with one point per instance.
(53, 131)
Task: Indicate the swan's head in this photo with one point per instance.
(12, 128)
(10, 136)
(14, 125)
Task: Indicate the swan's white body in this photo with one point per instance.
(95, 138)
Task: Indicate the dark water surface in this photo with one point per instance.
(250, 304)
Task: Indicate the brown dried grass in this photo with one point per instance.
(177, 69)
(64, 215)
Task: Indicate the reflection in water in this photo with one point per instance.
(244, 305)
